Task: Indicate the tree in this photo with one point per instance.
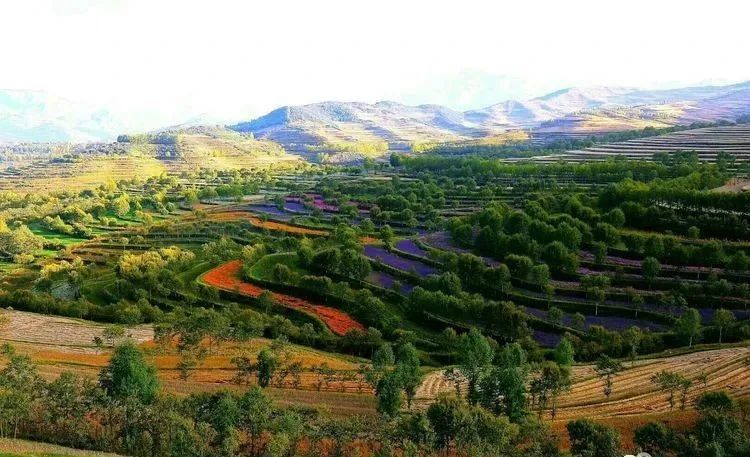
(607, 368)
(633, 336)
(112, 333)
(386, 235)
(693, 232)
(600, 252)
(128, 376)
(564, 352)
(256, 411)
(407, 371)
(503, 387)
(555, 315)
(550, 382)
(19, 387)
(589, 439)
(669, 382)
(685, 386)
(475, 354)
(689, 325)
(389, 396)
(266, 367)
(447, 417)
(722, 319)
(121, 205)
(579, 321)
(383, 357)
(655, 438)
(558, 258)
(651, 268)
(540, 275)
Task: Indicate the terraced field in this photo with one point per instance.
(82, 166)
(227, 277)
(58, 344)
(706, 142)
(60, 333)
(634, 394)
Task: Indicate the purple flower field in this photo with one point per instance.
(547, 339)
(409, 246)
(401, 263)
(442, 240)
(608, 322)
(386, 281)
(268, 209)
(708, 313)
(295, 207)
(588, 256)
(272, 211)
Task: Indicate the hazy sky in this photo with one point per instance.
(238, 59)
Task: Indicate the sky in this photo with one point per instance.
(166, 61)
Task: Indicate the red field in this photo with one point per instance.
(270, 225)
(227, 277)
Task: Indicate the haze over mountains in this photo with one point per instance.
(36, 116)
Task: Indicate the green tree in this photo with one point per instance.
(266, 367)
(722, 319)
(555, 315)
(589, 439)
(564, 352)
(600, 252)
(633, 336)
(389, 396)
(650, 268)
(475, 356)
(668, 381)
(689, 325)
(128, 376)
(408, 371)
(607, 367)
(550, 381)
(503, 388)
(386, 235)
(256, 411)
(20, 385)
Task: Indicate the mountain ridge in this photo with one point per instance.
(38, 116)
(578, 109)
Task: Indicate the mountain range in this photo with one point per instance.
(574, 110)
(37, 116)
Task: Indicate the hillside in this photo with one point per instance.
(706, 142)
(569, 111)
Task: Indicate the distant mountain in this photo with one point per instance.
(336, 122)
(37, 116)
(578, 109)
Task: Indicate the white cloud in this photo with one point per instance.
(173, 59)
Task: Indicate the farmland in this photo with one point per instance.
(708, 143)
(384, 293)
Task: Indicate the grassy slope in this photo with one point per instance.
(17, 448)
